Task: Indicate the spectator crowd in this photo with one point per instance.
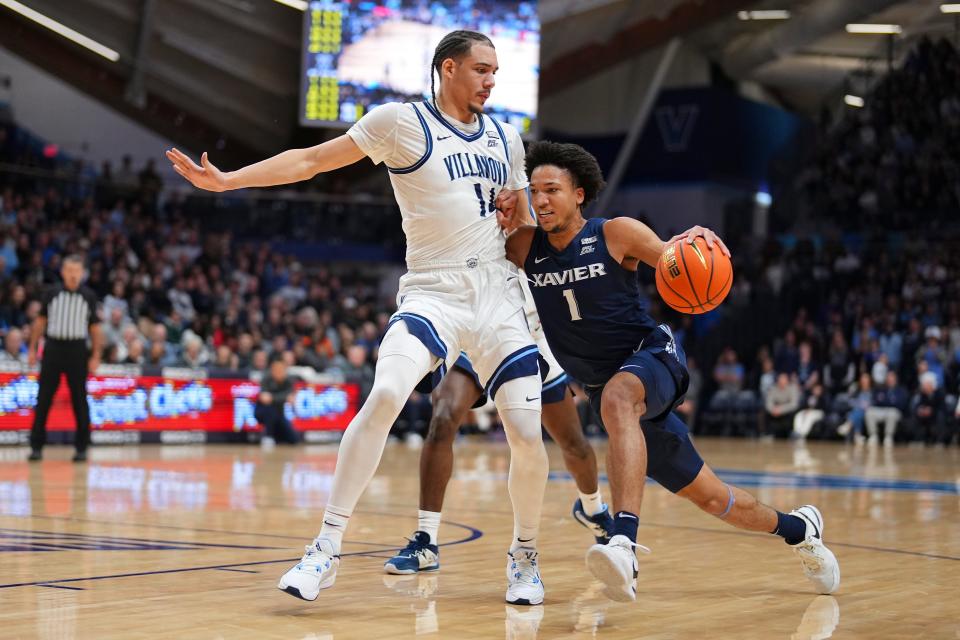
(873, 351)
(894, 158)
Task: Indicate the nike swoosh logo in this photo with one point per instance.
(443, 137)
(532, 399)
(816, 529)
(538, 260)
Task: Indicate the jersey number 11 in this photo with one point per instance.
(485, 207)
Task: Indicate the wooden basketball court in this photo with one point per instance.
(188, 542)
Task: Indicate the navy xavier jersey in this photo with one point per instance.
(591, 309)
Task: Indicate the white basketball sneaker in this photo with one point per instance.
(615, 565)
(523, 577)
(317, 570)
(819, 564)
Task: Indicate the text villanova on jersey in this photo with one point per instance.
(474, 165)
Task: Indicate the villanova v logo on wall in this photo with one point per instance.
(676, 124)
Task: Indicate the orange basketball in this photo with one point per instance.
(692, 278)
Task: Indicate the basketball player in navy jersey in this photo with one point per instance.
(583, 278)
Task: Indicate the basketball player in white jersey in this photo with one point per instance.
(449, 165)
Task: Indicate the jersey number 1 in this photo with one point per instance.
(572, 303)
(485, 207)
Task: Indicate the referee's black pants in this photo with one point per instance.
(275, 423)
(63, 357)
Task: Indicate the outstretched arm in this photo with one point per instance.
(631, 241)
(289, 166)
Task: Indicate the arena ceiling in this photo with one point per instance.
(224, 73)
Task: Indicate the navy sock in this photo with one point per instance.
(791, 528)
(625, 524)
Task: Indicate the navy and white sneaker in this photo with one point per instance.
(615, 565)
(600, 524)
(523, 577)
(418, 555)
(316, 571)
(819, 564)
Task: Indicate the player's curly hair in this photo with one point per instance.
(456, 45)
(578, 162)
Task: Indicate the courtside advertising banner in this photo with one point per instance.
(143, 403)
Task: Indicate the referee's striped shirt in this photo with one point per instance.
(69, 313)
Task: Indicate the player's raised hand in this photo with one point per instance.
(203, 176)
(711, 238)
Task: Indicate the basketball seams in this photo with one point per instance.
(725, 289)
(710, 277)
(686, 270)
(664, 280)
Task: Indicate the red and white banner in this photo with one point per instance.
(140, 403)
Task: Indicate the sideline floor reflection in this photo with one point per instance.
(422, 588)
(820, 619)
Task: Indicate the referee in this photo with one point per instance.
(68, 316)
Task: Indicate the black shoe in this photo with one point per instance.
(80, 456)
(35, 455)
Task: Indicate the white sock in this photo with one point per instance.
(523, 542)
(429, 522)
(592, 503)
(335, 521)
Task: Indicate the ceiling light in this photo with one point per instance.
(950, 8)
(61, 29)
(766, 14)
(299, 5)
(889, 29)
(853, 101)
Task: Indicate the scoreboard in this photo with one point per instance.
(359, 54)
(324, 28)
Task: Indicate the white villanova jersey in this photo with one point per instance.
(446, 176)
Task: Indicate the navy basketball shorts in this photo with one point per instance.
(672, 460)
(554, 386)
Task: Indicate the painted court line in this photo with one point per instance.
(49, 583)
(60, 586)
(474, 534)
(38, 539)
(237, 570)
